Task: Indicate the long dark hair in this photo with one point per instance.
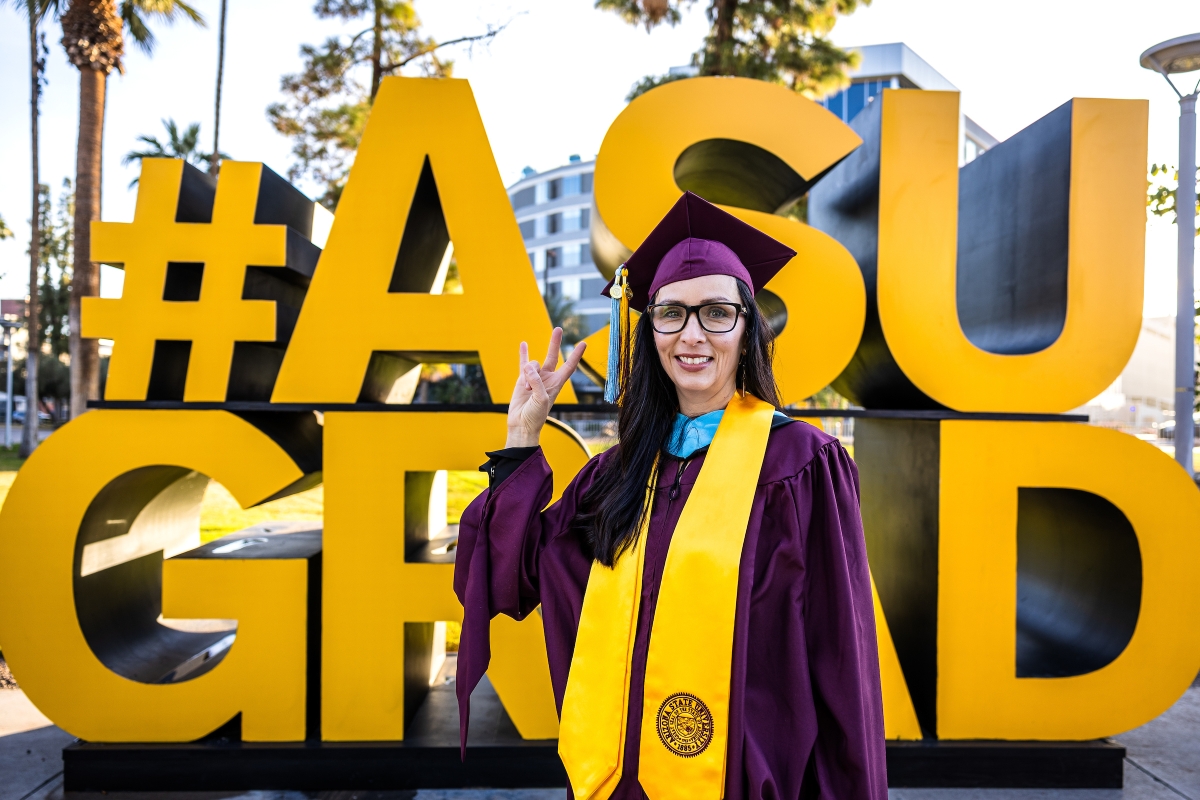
(611, 510)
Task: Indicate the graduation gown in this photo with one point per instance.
(806, 715)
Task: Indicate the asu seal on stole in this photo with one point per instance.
(685, 725)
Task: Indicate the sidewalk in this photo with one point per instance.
(1163, 763)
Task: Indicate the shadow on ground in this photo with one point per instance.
(1163, 763)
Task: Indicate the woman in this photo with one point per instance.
(703, 586)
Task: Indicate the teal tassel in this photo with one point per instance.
(612, 388)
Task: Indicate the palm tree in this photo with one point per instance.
(562, 315)
(214, 162)
(184, 145)
(35, 10)
(94, 38)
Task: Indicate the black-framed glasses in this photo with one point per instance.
(713, 317)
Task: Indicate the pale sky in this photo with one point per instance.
(553, 81)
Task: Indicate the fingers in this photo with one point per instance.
(573, 359)
(524, 354)
(552, 352)
(554, 381)
(536, 386)
(532, 370)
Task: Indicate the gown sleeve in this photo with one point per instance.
(849, 754)
(503, 538)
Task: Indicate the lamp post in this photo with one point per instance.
(8, 378)
(1173, 57)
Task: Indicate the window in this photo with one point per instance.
(553, 257)
(570, 289)
(570, 185)
(554, 289)
(585, 254)
(585, 218)
(571, 255)
(554, 223)
(591, 288)
(542, 191)
(528, 228)
(532, 260)
(571, 221)
(525, 197)
(585, 183)
(554, 189)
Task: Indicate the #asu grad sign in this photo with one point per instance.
(1036, 580)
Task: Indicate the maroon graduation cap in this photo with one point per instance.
(696, 238)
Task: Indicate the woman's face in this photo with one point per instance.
(702, 365)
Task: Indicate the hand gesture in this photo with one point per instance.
(537, 388)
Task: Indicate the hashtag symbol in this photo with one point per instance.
(214, 322)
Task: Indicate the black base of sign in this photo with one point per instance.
(498, 758)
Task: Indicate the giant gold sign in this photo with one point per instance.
(1037, 580)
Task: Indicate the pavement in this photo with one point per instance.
(1162, 763)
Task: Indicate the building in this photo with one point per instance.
(1142, 398)
(554, 211)
(896, 66)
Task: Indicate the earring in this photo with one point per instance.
(742, 378)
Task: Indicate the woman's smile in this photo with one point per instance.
(693, 363)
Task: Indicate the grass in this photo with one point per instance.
(461, 489)
(221, 515)
(10, 460)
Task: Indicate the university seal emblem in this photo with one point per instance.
(685, 724)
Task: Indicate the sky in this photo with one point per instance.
(551, 83)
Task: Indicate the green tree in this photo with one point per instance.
(35, 12)
(185, 145)
(5, 231)
(782, 41)
(326, 104)
(562, 315)
(56, 225)
(1160, 197)
(94, 38)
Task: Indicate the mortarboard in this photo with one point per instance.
(695, 238)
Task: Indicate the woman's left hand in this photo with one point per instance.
(537, 388)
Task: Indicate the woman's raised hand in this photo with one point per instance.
(537, 388)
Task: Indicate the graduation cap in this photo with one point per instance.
(694, 239)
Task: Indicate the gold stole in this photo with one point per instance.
(685, 715)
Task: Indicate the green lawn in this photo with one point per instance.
(221, 515)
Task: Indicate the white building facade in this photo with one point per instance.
(554, 211)
(1142, 398)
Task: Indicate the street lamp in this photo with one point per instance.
(8, 380)
(1173, 57)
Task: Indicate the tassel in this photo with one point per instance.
(618, 325)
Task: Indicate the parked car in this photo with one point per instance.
(1167, 429)
(19, 417)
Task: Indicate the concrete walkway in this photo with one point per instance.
(1163, 763)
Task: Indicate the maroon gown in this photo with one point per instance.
(805, 712)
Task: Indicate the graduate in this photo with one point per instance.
(703, 585)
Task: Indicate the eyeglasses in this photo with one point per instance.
(713, 317)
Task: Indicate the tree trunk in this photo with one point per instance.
(214, 166)
(377, 50)
(85, 280)
(721, 38)
(29, 435)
